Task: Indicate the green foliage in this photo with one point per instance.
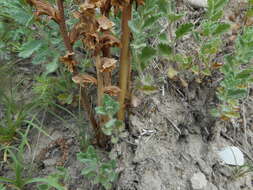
(21, 33)
(56, 180)
(110, 106)
(19, 168)
(98, 171)
(145, 26)
(184, 29)
(50, 89)
(243, 170)
(215, 9)
(237, 72)
(29, 48)
(14, 116)
(2, 187)
(16, 164)
(15, 17)
(113, 127)
(209, 38)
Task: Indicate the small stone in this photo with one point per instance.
(198, 181)
(198, 3)
(49, 162)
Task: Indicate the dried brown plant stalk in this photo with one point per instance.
(96, 34)
(124, 59)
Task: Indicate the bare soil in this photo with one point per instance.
(171, 137)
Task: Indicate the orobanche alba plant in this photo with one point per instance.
(94, 30)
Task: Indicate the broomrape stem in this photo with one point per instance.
(63, 28)
(100, 84)
(124, 59)
(100, 137)
(84, 96)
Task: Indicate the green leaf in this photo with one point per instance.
(196, 36)
(184, 29)
(114, 140)
(221, 28)
(29, 48)
(163, 38)
(49, 180)
(111, 107)
(245, 74)
(89, 169)
(147, 88)
(174, 17)
(206, 72)
(211, 4)
(107, 186)
(90, 156)
(232, 114)
(41, 56)
(163, 5)
(216, 16)
(43, 187)
(2, 187)
(237, 93)
(165, 50)
(215, 112)
(53, 66)
(150, 21)
(147, 54)
(110, 123)
(219, 4)
(100, 110)
(133, 27)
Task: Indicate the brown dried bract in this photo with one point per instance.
(140, 2)
(74, 34)
(105, 23)
(44, 8)
(91, 40)
(84, 79)
(98, 3)
(108, 40)
(112, 90)
(107, 64)
(120, 3)
(69, 61)
(87, 6)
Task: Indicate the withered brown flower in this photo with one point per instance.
(107, 64)
(91, 40)
(74, 34)
(45, 8)
(112, 90)
(108, 40)
(120, 3)
(98, 3)
(69, 61)
(140, 2)
(84, 79)
(105, 23)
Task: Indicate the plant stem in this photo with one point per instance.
(63, 28)
(84, 96)
(100, 84)
(124, 59)
(88, 108)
